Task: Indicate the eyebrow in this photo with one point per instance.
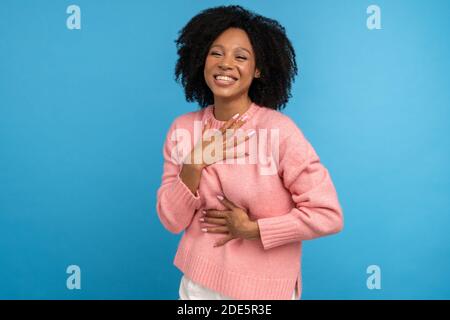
(219, 45)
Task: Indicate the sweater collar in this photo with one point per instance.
(209, 114)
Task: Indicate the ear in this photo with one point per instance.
(257, 73)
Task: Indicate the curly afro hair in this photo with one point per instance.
(274, 55)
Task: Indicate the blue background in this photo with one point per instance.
(83, 116)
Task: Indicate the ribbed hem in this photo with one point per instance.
(276, 231)
(232, 284)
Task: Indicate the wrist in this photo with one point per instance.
(193, 167)
(253, 231)
(191, 161)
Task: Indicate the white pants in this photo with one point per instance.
(190, 290)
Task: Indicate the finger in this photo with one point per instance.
(235, 153)
(239, 122)
(210, 135)
(227, 203)
(215, 213)
(230, 131)
(229, 123)
(216, 230)
(222, 241)
(237, 140)
(241, 154)
(217, 221)
(240, 139)
(208, 130)
(229, 128)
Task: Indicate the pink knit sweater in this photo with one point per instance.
(287, 191)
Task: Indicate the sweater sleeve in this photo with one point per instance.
(317, 211)
(176, 204)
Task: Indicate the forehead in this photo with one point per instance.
(233, 38)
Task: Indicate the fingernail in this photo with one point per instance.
(236, 115)
(205, 230)
(204, 211)
(220, 197)
(251, 133)
(245, 117)
(202, 219)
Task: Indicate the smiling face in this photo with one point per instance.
(230, 65)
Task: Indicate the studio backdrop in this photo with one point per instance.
(87, 95)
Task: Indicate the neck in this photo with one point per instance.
(224, 109)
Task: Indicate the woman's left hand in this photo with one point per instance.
(234, 222)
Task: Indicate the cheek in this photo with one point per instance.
(208, 64)
(207, 69)
(247, 73)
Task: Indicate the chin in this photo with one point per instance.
(226, 96)
(225, 93)
(221, 94)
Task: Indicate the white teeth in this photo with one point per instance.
(224, 78)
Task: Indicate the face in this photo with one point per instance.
(230, 64)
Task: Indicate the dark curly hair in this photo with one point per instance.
(274, 53)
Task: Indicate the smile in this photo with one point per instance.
(223, 80)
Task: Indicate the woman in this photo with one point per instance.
(240, 178)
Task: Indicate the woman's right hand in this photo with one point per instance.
(220, 141)
(191, 171)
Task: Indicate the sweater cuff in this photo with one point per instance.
(182, 193)
(276, 231)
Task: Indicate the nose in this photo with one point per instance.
(225, 64)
